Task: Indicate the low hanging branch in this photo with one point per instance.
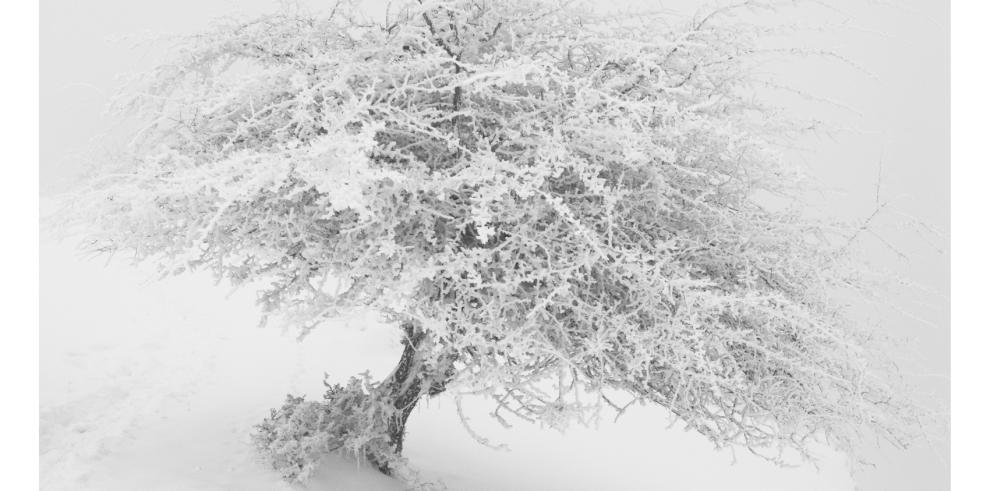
(551, 204)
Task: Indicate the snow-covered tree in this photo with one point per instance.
(559, 210)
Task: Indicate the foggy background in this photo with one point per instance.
(899, 100)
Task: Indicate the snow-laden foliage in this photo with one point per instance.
(349, 420)
(561, 206)
(295, 437)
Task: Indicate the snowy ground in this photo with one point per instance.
(155, 385)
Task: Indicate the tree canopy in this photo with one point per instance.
(563, 209)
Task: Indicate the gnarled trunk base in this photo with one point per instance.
(412, 379)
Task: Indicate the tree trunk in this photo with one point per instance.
(412, 379)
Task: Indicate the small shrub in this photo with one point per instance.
(296, 437)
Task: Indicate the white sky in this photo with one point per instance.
(903, 120)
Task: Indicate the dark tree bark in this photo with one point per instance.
(413, 378)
